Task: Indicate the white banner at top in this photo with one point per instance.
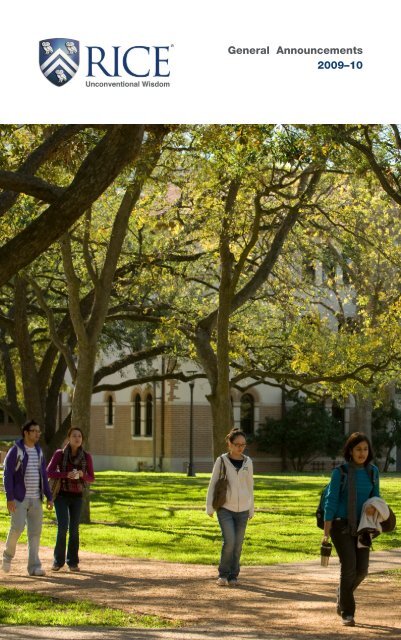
(212, 61)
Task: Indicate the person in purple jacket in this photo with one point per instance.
(74, 467)
(25, 484)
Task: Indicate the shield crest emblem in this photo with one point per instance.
(59, 59)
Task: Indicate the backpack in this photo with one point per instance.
(343, 480)
(21, 455)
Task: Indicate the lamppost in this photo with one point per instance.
(191, 472)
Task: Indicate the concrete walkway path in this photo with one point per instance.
(292, 601)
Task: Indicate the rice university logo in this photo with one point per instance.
(59, 59)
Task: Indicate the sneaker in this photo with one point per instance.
(232, 582)
(74, 568)
(37, 573)
(348, 621)
(6, 566)
(222, 582)
(56, 567)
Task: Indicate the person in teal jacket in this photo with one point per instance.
(351, 485)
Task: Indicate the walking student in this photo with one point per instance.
(74, 467)
(351, 485)
(25, 484)
(238, 508)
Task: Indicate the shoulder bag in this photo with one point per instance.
(54, 484)
(220, 488)
(389, 524)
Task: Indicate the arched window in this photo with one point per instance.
(137, 415)
(149, 415)
(2, 417)
(110, 411)
(247, 413)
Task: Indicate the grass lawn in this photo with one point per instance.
(162, 516)
(23, 608)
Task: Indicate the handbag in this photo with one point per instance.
(54, 484)
(220, 488)
(389, 524)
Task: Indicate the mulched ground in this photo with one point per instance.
(278, 601)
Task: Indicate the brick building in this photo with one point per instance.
(148, 426)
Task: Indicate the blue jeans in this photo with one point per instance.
(232, 525)
(28, 512)
(68, 511)
(354, 564)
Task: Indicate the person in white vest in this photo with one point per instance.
(25, 484)
(238, 507)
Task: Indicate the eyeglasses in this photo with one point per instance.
(239, 444)
(35, 431)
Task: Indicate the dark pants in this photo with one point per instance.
(354, 565)
(68, 511)
(232, 525)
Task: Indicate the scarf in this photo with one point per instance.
(352, 499)
(70, 462)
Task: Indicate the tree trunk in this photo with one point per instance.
(30, 381)
(283, 448)
(52, 405)
(363, 416)
(398, 460)
(59, 437)
(216, 365)
(82, 396)
(10, 404)
(81, 407)
(222, 418)
(219, 398)
(387, 460)
(85, 510)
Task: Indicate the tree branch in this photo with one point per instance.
(38, 157)
(367, 151)
(73, 286)
(151, 153)
(58, 342)
(132, 382)
(30, 185)
(120, 146)
(131, 358)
